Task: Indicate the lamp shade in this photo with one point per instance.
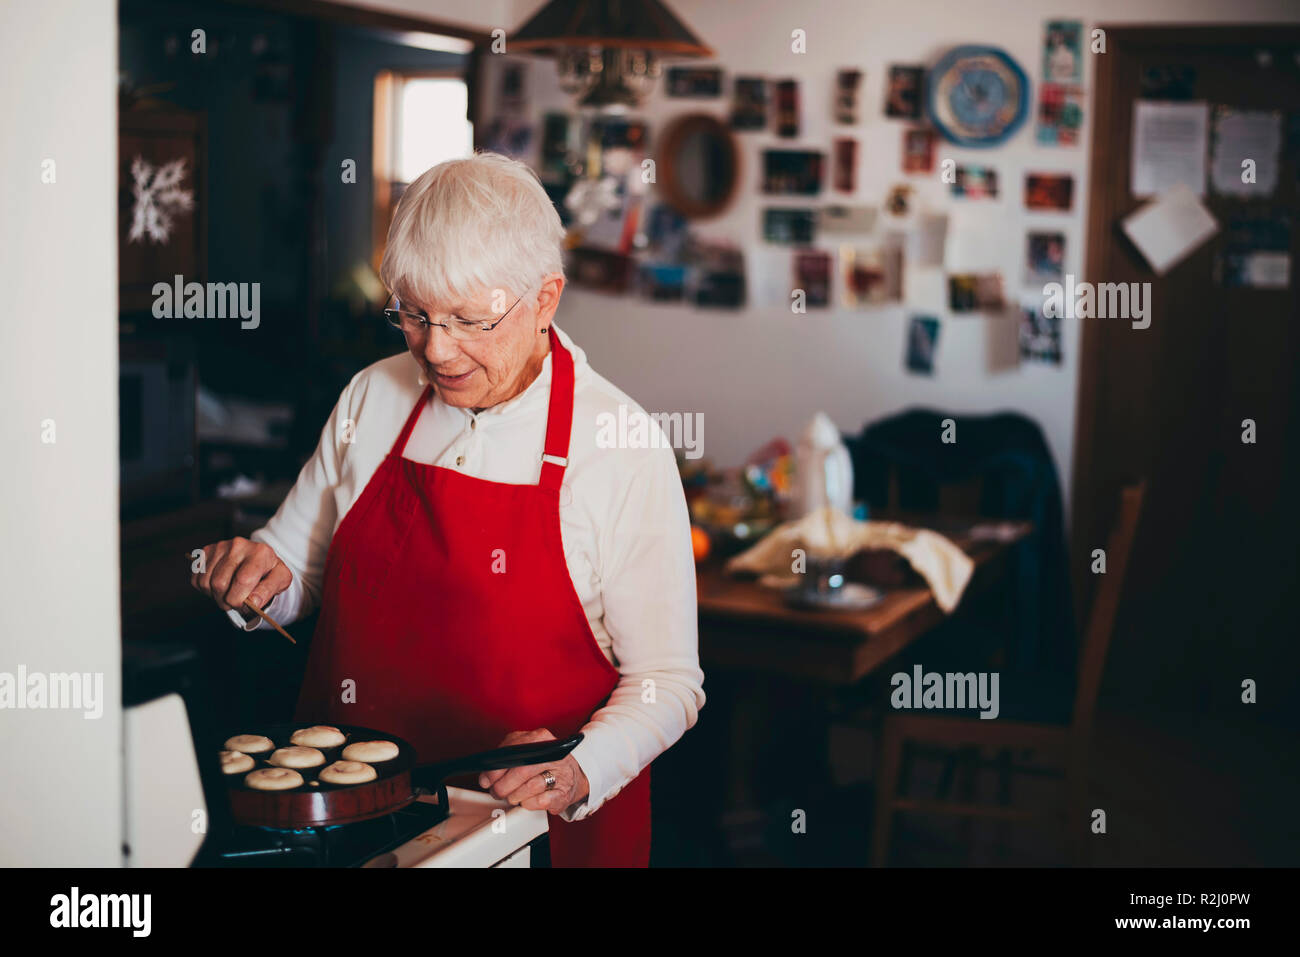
(609, 24)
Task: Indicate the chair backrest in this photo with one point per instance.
(959, 499)
(1101, 622)
(962, 499)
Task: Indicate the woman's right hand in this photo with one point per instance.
(239, 570)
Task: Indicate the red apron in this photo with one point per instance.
(448, 605)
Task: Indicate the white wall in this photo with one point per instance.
(485, 15)
(60, 802)
(763, 371)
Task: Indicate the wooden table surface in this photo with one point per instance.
(746, 626)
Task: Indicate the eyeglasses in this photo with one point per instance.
(416, 323)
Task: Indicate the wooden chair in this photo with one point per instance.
(1066, 743)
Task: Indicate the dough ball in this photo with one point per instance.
(235, 762)
(273, 779)
(348, 772)
(250, 743)
(318, 736)
(297, 757)
(370, 751)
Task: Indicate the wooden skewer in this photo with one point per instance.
(830, 527)
(268, 619)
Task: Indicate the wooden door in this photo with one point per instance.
(1213, 583)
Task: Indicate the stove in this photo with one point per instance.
(347, 845)
(165, 709)
(480, 832)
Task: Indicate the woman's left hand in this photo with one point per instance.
(526, 785)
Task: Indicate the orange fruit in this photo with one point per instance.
(700, 543)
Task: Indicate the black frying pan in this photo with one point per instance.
(400, 781)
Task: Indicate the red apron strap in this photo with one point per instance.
(399, 447)
(559, 416)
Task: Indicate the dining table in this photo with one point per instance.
(747, 626)
(780, 676)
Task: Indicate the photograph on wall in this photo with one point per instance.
(1044, 258)
(975, 182)
(509, 134)
(719, 273)
(970, 292)
(846, 96)
(792, 172)
(599, 269)
(872, 272)
(918, 150)
(720, 290)
(787, 108)
(694, 81)
(665, 232)
(961, 292)
(789, 226)
(559, 147)
(903, 90)
(927, 242)
(1063, 52)
(1060, 114)
(922, 342)
(1049, 191)
(662, 282)
(846, 165)
(843, 220)
(898, 201)
(620, 133)
(1040, 335)
(812, 274)
(512, 93)
(616, 147)
(749, 103)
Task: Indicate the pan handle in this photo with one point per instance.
(537, 752)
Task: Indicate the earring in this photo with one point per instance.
(544, 328)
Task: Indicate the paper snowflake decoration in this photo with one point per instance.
(158, 197)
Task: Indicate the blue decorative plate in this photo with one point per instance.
(977, 96)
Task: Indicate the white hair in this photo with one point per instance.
(471, 225)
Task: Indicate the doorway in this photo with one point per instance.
(1209, 599)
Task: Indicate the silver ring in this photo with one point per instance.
(549, 778)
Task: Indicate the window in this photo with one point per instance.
(420, 121)
(431, 125)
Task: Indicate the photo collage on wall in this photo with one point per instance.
(1060, 95)
(843, 252)
(1059, 123)
(622, 238)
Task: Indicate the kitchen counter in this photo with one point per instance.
(481, 831)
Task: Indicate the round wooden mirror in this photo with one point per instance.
(698, 165)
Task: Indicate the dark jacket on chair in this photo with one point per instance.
(1009, 453)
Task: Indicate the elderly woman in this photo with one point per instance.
(486, 573)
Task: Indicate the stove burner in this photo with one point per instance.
(337, 845)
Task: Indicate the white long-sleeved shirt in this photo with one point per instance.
(623, 520)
